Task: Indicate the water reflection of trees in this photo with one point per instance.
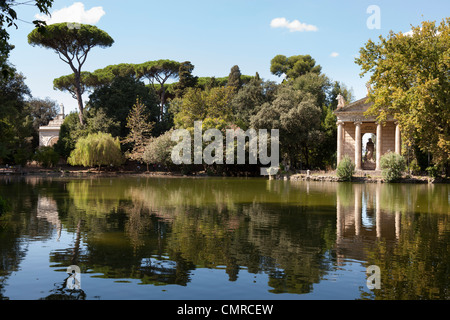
(20, 219)
(159, 230)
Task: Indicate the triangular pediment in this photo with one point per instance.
(359, 106)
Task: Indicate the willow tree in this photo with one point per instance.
(72, 44)
(96, 150)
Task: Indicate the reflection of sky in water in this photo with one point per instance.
(37, 277)
(36, 273)
(282, 241)
(366, 220)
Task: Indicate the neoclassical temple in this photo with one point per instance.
(354, 129)
(49, 135)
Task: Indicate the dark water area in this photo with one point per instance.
(222, 238)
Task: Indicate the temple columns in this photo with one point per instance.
(398, 139)
(358, 145)
(379, 145)
(340, 141)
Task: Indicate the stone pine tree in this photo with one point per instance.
(72, 43)
(160, 71)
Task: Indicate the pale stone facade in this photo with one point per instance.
(353, 124)
(49, 135)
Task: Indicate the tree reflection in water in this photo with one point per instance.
(159, 231)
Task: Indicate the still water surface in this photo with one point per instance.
(214, 238)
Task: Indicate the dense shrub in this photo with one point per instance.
(392, 166)
(346, 169)
(414, 167)
(433, 171)
(96, 150)
(47, 157)
(159, 150)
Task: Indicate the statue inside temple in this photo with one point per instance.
(370, 147)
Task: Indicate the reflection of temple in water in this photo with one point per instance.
(47, 209)
(361, 221)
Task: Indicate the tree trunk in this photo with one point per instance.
(79, 97)
(163, 101)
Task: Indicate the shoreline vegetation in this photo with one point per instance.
(367, 176)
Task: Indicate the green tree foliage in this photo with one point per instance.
(117, 98)
(410, 81)
(185, 79)
(96, 149)
(336, 89)
(71, 130)
(250, 97)
(140, 130)
(200, 105)
(41, 112)
(72, 46)
(160, 71)
(234, 78)
(16, 124)
(392, 166)
(46, 157)
(294, 66)
(297, 116)
(68, 83)
(159, 150)
(346, 169)
(8, 16)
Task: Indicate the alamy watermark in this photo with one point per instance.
(186, 152)
(74, 280)
(374, 278)
(374, 20)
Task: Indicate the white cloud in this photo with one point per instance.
(334, 54)
(410, 33)
(74, 13)
(292, 26)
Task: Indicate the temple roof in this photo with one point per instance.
(355, 111)
(359, 106)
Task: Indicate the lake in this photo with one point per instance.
(158, 238)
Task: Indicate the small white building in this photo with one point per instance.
(49, 135)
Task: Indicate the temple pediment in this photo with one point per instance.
(359, 106)
(355, 111)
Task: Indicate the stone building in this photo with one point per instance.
(49, 135)
(354, 130)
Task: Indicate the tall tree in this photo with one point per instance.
(297, 116)
(160, 71)
(117, 99)
(234, 78)
(294, 66)
(247, 101)
(410, 80)
(41, 112)
(72, 46)
(185, 78)
(15, 121)
(140, 130)
(69, 83)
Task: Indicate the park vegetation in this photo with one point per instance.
(135, 106)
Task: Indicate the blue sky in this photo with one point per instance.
(216, 35)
